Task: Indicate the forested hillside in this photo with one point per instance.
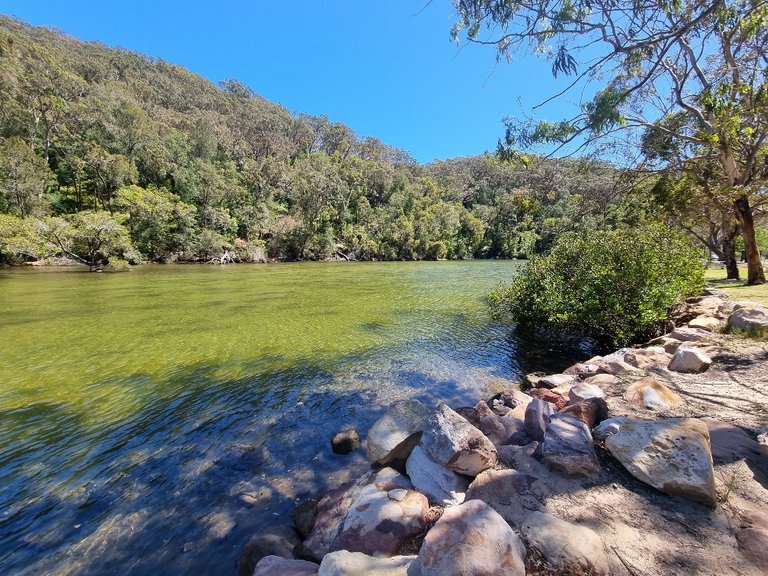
(107, 154)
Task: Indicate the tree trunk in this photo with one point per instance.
(755, 274)
(730, 230)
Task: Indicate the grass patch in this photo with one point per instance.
(737, 290)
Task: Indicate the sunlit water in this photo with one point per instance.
(151, 422)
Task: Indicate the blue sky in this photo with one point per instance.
(386, 69)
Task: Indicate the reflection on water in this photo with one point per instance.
(151, 422)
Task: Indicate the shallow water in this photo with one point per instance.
(151, 422)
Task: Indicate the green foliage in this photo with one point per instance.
(19, 240)
(615, 286)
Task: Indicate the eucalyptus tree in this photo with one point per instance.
(690, 70)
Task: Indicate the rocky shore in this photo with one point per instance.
(647, 461)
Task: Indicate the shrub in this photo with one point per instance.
(613, 286)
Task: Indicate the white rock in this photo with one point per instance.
(436, 482)
(584, 391)
(690, 360)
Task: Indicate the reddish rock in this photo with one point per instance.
(558, 400)
(753, 538)
(591, 411)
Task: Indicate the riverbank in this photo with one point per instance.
(651, 460)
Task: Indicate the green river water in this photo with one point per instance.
(152, 421)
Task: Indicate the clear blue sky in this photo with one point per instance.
(386, 69)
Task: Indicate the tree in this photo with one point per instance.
(89, 237)
(693, 71)
(24, 178)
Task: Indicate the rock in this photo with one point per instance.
(277, 541)
(608, 427)
(555, 381)
(717, 292)
(511, 493)
(645, 358)
(469, 413)
(753, 538)
(615, 365)
(472, 539)
(436, 482)
(380, 522)
(568, 447)
(690, 360)
(577, 549)
(509, 399)
(345, 441)
(394, 435)
(333, 508)
(344, 563)
(651, 394)
(584, 391)
(557, 400)
(671, 345)
(730, 443)
(303, 515)
(602, 380)
(498, 429)
(707, 306)
(690, 334)
(591, 411)
(749, 319)
(583, 370)
(537, 415)
(272, 565)
(453, 442)
(707, 323)
(672, 455)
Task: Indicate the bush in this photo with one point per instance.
(613, 286)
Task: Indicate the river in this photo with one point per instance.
(152, 421)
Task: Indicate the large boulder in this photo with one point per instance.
(568, 447)
(379, 522)
(472, 539)
(651, 394)
(452, 441)
(271, 565)
(672, 455)
(394, 435)
(384, 501)
(436, 482)
(749, 319)
(512, 493)
(574, 548)
(690, 360)
(685, 334)
(345, 563)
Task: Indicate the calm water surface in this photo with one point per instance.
(151, 422)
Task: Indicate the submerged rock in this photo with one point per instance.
(454, 443)
(345, 441)
(672, 455)
(565, 545)
(472, 539)
(394, 435)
